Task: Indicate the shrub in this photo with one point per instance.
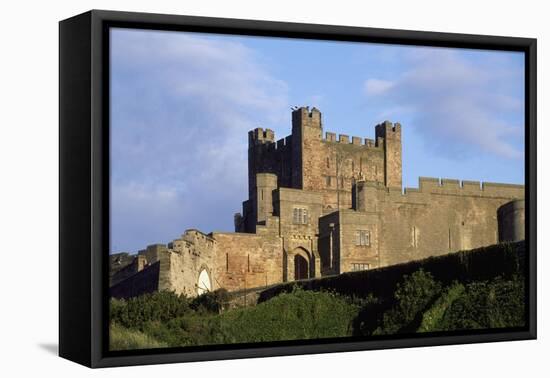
(412, 296)
(159, 306)
(497, 303)
(297, 315)
(290, 316)
(431, 319)
(213, 301)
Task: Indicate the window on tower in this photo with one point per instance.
(362, 238)
(300, 215)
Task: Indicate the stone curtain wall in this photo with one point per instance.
(439, 217)
(244, 260)
(146, 281)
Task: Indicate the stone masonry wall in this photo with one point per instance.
(438, 217)
(299, 237)
(304, 160)
(246, 260)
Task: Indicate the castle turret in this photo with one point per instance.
(390, 136)
(511, 221)
(307, 130)
(259, 156)
(266, 183)
(303, 117)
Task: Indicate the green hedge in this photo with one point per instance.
(160, 306)
(506, 260)
(498, 303)
(296, 315)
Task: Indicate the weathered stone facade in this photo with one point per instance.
(320, 206)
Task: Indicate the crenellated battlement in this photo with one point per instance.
(260, 136)
(454, 186)
(430, 186)
(386, 129)
(331, 137)
(304, 117)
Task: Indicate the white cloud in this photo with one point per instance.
(374, 87)
(458, 104)
(182, 106)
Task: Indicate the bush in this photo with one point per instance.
(213, 301)
(412, 296)
(291, 316)
(431, 319)
(160, 306)
(488, 304)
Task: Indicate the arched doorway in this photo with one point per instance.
(301, 267)
(204, 285)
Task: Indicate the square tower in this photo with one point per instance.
(390, 135)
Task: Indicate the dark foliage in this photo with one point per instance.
(213, 301)
(412, 298)
(498, 303)
(160, 306)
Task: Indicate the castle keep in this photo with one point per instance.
(323, 205)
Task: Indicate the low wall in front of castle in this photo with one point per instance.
(234, 261)
(437, 218)
(244, 260)
(185, 259)
(142, 282)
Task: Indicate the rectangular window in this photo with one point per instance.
(359, 266)
(329, 181)
(300, 215)
(362, 237)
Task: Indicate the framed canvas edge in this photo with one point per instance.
(99, 170)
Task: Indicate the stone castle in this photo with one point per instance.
(324, 206)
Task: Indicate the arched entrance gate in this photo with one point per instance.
(299, 264)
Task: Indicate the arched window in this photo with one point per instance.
(204, 285)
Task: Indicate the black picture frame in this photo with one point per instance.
(84, 183)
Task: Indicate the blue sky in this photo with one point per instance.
(182, 104)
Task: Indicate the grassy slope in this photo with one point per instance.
(121, 338)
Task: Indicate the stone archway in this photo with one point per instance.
(301, 267)
(299, 264)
